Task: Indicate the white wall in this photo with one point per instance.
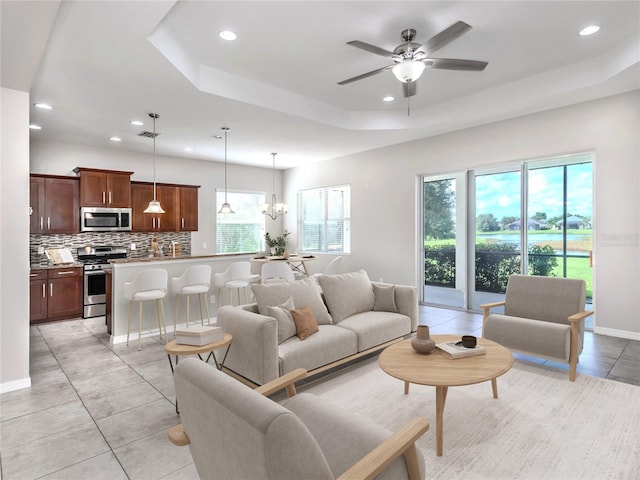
(14, 241)
(384, 193)
(61, 158)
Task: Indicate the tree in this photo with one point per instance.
(486, 222)
(439, 203)
(540, 216)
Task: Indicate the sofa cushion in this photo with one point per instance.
(347, 294)
(384, 298)
(326, 346)
(305, 321)
(374, 328)
(282, 314)
(304, 292)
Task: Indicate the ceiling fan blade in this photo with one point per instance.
(444, 37)
(365, 75)
(409, 89)
(371, 48)
(455, 64)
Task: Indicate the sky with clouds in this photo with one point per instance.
(499, 194)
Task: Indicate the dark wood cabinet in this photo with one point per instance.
(188, 209)
(38, 296)
(54, 204)
(104, 188)
(56, 294)
(177, 213)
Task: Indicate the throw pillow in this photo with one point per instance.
(384, 298)
(304, 292)
(347, 294)
(284, 319)
(305, 321)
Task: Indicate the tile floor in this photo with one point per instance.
(101, 411)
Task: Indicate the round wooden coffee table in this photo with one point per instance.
(435, 369)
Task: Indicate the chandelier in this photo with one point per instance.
(274, 209)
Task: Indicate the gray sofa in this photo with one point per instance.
(354, 315)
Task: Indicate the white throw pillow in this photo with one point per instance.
(347, 294)
(284, 319)
(304, 292)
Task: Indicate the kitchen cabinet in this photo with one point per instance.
(104, 188)
(55, 294)
(188, 209)
(38, 296)
(54, 204)
(180, 208)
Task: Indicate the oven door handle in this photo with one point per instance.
(94, 272)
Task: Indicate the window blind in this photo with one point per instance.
(324, 219)
(242, 231)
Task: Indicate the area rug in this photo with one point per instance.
(542, 426)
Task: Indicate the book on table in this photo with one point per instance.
(199, 335)
(451, 350)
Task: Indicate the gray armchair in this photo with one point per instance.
(543, 316)
(234, 431)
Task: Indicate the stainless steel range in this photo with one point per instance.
(96, 263)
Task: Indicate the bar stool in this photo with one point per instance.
(149, 285)
(276, 272)
(195, 280)
(237, 277)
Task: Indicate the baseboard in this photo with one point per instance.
(133, 336)
(15, 385)
(612, 332)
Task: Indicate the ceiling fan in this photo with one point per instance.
(410, 59)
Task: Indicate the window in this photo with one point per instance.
(242, 231)
(324, 220)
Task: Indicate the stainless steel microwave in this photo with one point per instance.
(100, 219)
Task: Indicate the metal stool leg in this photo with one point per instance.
(164, 324)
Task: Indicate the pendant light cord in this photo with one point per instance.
(226, 129)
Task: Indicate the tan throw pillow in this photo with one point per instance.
(384, 298)
(305, 321)
(284, 319)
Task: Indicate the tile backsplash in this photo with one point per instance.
(120, 239)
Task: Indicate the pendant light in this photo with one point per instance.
(154, 205)
(225, 208)
(274, 209)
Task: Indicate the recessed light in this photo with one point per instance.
(227, 35)
(388, 99)
(590, 30)
(115, 139)
(217, 137)
(188, 149)
(33, 126)
(43, 106)
(137, 123)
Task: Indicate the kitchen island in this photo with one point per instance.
(125, 270)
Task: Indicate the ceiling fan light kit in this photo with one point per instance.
(408, 71)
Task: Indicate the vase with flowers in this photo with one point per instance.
(278, 245)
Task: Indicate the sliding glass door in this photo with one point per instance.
(531, 217)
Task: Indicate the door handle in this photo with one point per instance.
(103, 198)
(182, 225)
(110, 198)
(48, 223)
(41, 223)
(68, 272)
(44, 291)
(51, 289)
